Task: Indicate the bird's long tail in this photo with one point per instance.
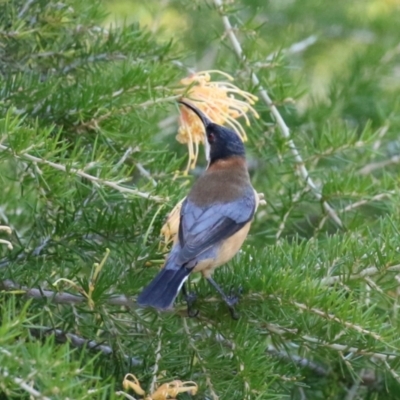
(163, 289)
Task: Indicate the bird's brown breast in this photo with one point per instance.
(224, 181)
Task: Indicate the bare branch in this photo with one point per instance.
(126, 395)
(77, 341)
(281, 331)
(94, 179)
(367, 169)
(20, 382)
(392, 371)
(29, 389)
(352, 392)
(295, 47)
(25, 8)
(329, 317)
(191, 340)
(156, 363)
(366, 201)
(93, 59)
(21, 256)
(60, 298)
(294, 200)
(357, 204)
(300, 361)
(301, 168)
(370, 271)
(94, 122)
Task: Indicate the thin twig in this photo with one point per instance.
(302, 393)
(92, 59)
(127, 153)
(181, 65)
(126, 395)
(122, 300)
(94, 122)
(23, 255)
(29, 389)
(300, 361)
(297, 47)
(392, 371)
(281, 331)
(352, 392)
(77, 341)
(94, 179)
(367, 169)
(366, 201)
(156, 362)
(370, 271)
(357, 204)
(328, 316)
(20, 382)
(301, 168)
(146, 173)
(350, 349)
(201, 361)
(24, 9)
(60, 298)
(293, 202)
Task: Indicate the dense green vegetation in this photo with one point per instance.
(88, 172)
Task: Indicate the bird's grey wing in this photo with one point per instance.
(203, 226)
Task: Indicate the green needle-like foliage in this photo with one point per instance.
(89, 169)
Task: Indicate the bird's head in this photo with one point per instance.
(222, 142)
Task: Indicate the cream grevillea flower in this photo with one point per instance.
(171, 226)
(166, 391)
(221, 101)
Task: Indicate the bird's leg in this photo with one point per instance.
(230, 301)
(190, 299)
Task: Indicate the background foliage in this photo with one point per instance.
(88, 162)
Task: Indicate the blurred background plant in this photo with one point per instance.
(89, 168)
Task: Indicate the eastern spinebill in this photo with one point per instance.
(215, 219)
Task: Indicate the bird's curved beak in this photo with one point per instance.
(199, 113)
(206, 122)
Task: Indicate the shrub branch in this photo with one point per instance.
(300, 166)
(94, 179)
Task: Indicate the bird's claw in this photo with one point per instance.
(192, 313)
(190, 299)
(234, 314)
(232, 300)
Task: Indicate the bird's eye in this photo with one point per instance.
(211, 138)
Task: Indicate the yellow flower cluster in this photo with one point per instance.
(166, 391)
(221, 101)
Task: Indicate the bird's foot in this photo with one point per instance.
(190, 299)
(232, 300)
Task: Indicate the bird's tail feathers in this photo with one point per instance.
(163, 289)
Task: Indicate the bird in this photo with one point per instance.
(215, 219)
